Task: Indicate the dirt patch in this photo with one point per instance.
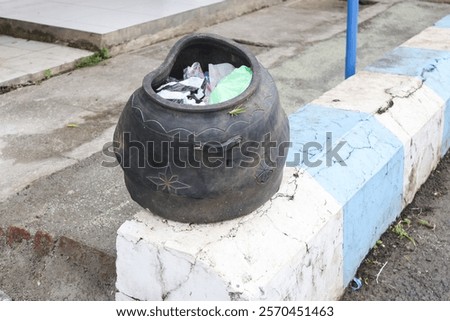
(413, 266)
(43, 268)
(57, 235)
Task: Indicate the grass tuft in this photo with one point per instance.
(94, 59)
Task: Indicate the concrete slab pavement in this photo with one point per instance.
(87, 20)
(116, 25)
(53, 173)
(119, 24)
(24, 60)
(36, 140)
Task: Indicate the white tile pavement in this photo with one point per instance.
(99, 16)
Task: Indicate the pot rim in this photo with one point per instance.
(168, 63)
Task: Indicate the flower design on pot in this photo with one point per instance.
(263, 173)
(167, 182)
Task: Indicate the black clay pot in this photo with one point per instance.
(203, 164)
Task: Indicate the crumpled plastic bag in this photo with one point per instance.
(218, 72)
(189, 91)
(193, 71)
(231, 85)
(198, 86)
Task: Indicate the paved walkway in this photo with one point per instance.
(24, 60)
(97, 16)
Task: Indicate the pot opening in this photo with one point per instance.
(205, 51)
(208, 53)
(208, 60)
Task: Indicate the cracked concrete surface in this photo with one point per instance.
(201, 252)
(402, 92)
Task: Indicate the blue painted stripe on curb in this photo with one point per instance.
(369, 187)
(438, 78)
(446, 135)
(309, 127)
(409, 61)
(439, 81)
(432, 66)
(373, 208)
(443, 23)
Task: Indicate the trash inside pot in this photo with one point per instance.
(209, 162)
(220, 83)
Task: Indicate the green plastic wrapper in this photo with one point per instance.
(231, 85)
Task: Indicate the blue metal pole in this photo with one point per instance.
(352, 31)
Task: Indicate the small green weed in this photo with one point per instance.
(399, 229)
(47, 74)
(94, 59)
(427, 224)
(379, 243)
